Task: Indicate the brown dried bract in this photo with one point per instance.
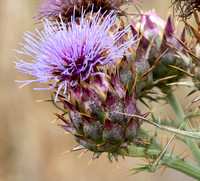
(185, 8)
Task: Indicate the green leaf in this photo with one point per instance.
(166, 122)
(140, 169)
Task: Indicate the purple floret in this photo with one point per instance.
(68, 55)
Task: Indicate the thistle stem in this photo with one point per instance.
(168, 160)
(180, 116)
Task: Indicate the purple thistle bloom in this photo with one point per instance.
(52, 9)
(70, 54)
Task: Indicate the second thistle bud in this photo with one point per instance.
(157, 36)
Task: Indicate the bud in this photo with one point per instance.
(159, 37)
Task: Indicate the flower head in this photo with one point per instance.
(53, 8)
(68, 56)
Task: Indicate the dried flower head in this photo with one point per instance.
(70, 56)
(185, 8)
(53, 8)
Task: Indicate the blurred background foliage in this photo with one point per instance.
(30, 145)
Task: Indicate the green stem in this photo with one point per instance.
(168, 160)
(180, 116)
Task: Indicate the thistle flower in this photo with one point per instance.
(70, 56)
(79, 60)
(53, 8)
